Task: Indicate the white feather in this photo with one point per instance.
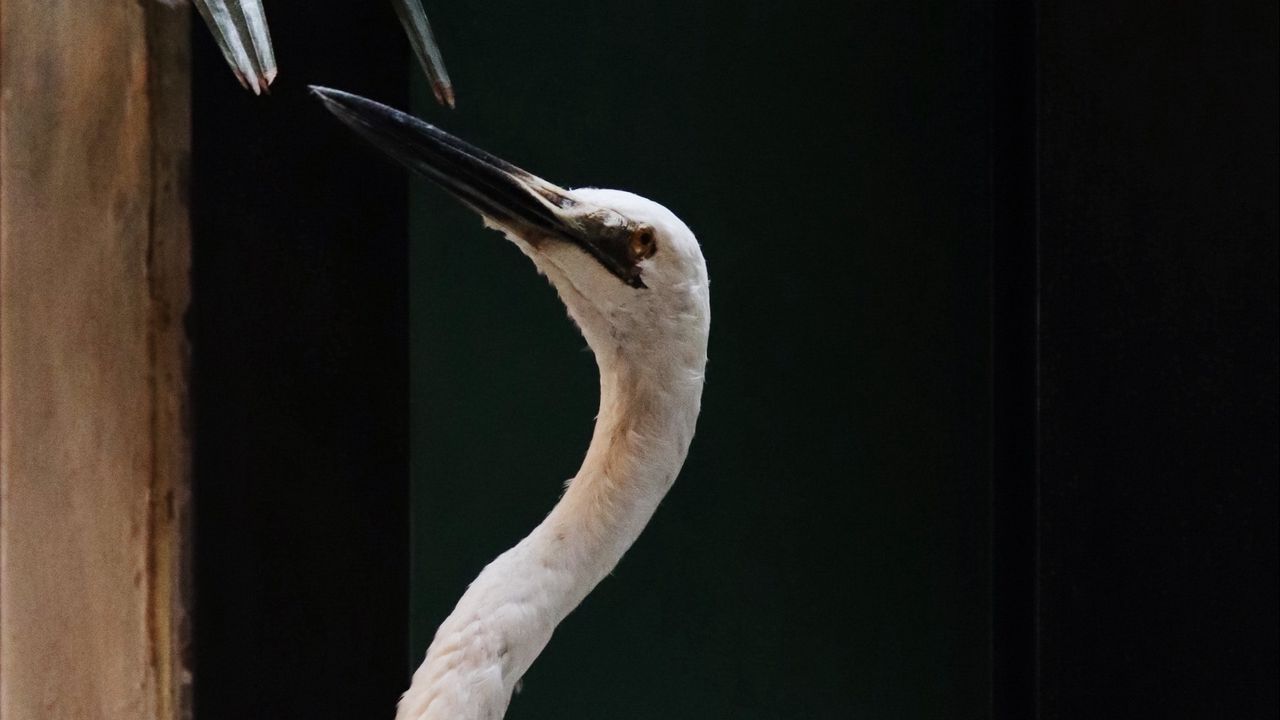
(651, 349)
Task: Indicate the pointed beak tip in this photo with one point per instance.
(336, 100)
(329, 97)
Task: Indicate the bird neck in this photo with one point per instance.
(506, 617)
(642, 435)
(641, 438)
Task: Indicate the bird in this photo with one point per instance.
(633, 278)
(240, 29)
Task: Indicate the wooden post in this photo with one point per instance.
(94, 137)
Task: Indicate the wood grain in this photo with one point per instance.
(93, 287)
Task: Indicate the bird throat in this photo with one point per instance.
(508, 614)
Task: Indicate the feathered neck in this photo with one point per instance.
(643, 430)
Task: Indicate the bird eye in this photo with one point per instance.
(643, 245)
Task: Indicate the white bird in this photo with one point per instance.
(632, 277)
(240, 29)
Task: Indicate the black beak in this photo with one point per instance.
(532, 208)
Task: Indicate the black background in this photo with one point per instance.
(1121, 173)
(300, 380)
(1158, 360)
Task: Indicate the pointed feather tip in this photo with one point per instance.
(444, 94)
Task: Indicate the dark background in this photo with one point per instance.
(824, 552)
(990, 424)
(1158, 360)
(300, 380)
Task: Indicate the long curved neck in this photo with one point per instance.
(507, 615)
(641, 437)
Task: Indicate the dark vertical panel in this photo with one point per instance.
(825, 553)
(1159, 359)
(300, 381)
(1013, 359)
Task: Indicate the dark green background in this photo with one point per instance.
(824, 553)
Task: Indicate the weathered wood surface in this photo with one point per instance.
(93, 287)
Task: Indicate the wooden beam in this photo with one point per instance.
(94, 136)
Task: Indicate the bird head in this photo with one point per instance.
(629, 271)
